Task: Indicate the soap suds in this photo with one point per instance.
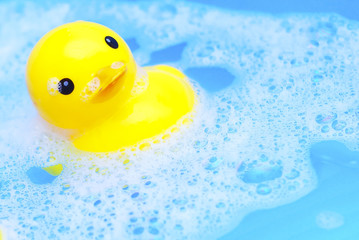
(247, 148)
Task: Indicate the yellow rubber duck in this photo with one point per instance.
(82, 76)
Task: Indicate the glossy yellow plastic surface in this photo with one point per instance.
(114, 103)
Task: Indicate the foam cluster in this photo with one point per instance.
(296, 83)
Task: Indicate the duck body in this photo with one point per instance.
(82, 77)
(165, 98)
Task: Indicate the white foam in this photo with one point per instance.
(247, 148)
(52, 86)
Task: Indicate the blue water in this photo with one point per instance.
(288, 167)
(346, 8)
(337, 168)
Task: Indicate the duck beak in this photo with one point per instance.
(104, 84)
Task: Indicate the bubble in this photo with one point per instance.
(153, 231)
(138, 231)
(220, 205)
(200, 144)
(153, 220)
(135, 195)
(263, 158)
(325, 129)
(326, 118)
(213, 163)
(325, 30)
(178, 227)
(314, 43)
(261, 173)
(166, 11)
(339, 125)
(39, 217)
(117, 65)
(91, 88)
(329, 220)
(52, 86)
(63, 229)
(263, 189)
(316, 78)
(275, 89)
(293, 174)
(349, 130)
(97, 203)
(180, 201)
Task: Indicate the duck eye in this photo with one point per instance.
(66, 86)
(111, 42)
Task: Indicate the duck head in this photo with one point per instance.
(79, 74)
